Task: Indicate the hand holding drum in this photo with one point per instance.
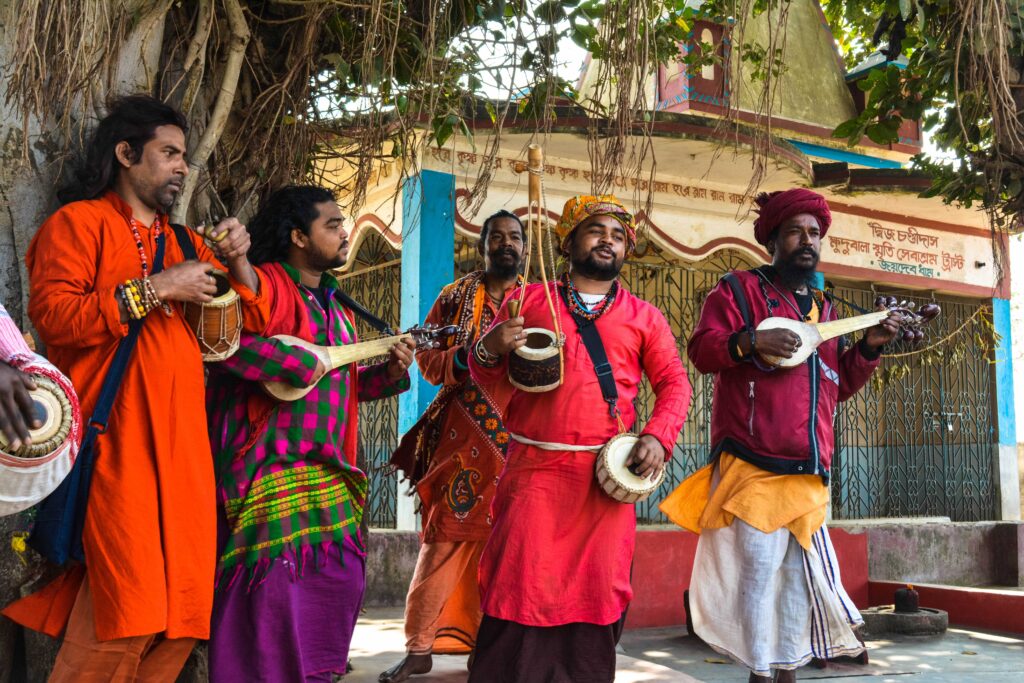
(191, 281)
(17, 414)
(505, 337)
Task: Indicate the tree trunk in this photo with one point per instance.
(27, 197)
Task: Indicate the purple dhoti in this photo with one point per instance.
(293, 626)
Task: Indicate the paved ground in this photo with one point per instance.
(667, 654)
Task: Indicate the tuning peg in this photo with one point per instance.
(879, 301)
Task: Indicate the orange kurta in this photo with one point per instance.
(150, 529)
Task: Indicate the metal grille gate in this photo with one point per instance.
(375, 282)
(922, 445)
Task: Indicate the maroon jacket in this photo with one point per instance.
(778, 419)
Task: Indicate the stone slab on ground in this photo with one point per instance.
(961, 656)
(668, 654)
(379, 643)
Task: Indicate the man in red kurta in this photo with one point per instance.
(453, 457)
(555, 573)
(146, 590)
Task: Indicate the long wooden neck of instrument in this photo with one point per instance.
(353, 353)
(837, 328)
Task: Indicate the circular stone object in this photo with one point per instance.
(924, 622)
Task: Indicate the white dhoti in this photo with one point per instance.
(767, 603)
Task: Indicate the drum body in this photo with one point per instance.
(218, 324)
(32, 472)
(615, 479)
(537, 366)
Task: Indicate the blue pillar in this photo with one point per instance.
(428, 264)
(1006, 421)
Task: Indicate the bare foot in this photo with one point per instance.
(754, 678)
(785, 676)
(410, 666)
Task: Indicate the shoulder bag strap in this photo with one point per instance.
(187, 248)
(357, 308)
(108, 393)
(595, 349)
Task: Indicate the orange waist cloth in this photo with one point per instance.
(764, 500)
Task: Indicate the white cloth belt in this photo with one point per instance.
(551, 446)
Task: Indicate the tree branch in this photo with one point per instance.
(238, 40)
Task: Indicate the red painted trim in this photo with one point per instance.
(988, 608)
(392, 238)
(853, 210)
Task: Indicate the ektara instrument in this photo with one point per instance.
(334, 357)
(539, 365)
(217, 324)
(615, 478)
(32, 472)
(813, 335)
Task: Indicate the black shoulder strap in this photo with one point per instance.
(360, 310)
(741, 298)
(185, 242)
(595, 349)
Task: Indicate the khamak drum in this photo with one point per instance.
(536, 366)
(217, 324)
(614, 477)
(31, 473)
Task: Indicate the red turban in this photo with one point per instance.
(777, 207)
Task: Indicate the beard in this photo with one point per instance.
(165, 196)
(323, 262)
(588, 266)
(503, 263)
(793, 273)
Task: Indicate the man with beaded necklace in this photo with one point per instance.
(145, 593)
(555, 573)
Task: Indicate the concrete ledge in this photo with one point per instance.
(950, 553)
(988, 608)
(390, 562)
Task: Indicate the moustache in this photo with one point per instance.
(507, 251)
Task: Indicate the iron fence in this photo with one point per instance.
(922, 444)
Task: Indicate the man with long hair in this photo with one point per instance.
(289, 495)
(453, 456)
(145, 593)
(555, 573)
(766, 588)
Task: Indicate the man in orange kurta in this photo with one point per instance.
(146, 591)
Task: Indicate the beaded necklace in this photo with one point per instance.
(157, 229)
(579, 308)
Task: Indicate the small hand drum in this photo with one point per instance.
(32, 472)
(614, 477)
(218, 324)
(537, 366)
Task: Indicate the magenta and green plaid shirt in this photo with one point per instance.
(292, 492)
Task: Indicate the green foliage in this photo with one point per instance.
(948, 85)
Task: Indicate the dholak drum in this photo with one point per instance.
(537, 366)
(32, 472)
(218, 324)
(614, 477)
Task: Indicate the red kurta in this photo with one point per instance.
(561, 549)
(150, 531)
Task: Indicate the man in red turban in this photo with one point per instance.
(766, 588)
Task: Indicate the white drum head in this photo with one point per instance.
(50, 409)
(617, 453)
(540, 344)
